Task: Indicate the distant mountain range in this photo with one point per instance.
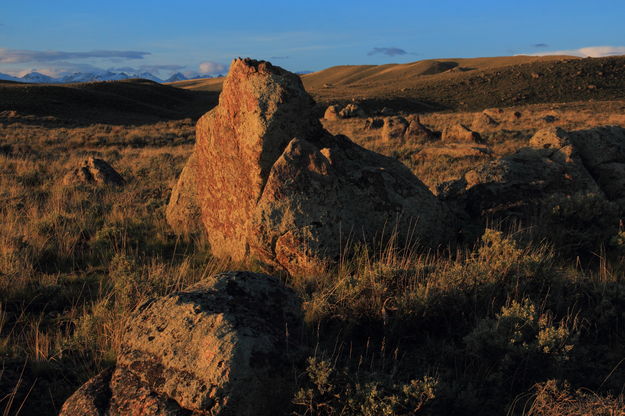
(36, 77)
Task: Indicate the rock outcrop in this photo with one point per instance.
(483, 121)
(183, 212)
(394, 128)
(374, 123)
(93, 171)
(417, 132)
(550, 166)
(331, 113)
(572, 180)
(336, 112)
(274, 186)
(458, 133)
(222, 347)
(352, 110)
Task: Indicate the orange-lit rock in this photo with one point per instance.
(273, 185)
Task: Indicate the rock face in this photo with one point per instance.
(93, 171)
(92, 399)
(273, 185)
(183, 212)
(222, 347)
(459, 133)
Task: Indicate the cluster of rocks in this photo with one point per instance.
(558, 167)
(398, 128)
(337, 112)
(271, 184)
(225, 346)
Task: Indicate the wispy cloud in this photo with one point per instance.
(586, 52)
(387, 51)
(156, 69)
(540, 45)
(210, 68)
(20, 56)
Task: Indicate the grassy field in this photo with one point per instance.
(508, 325)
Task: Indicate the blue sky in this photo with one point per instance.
(204, 36)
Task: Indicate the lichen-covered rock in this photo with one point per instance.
(273, 185)
(417, 132)
(221, 346)
(602, 150)
(600, 145)
(352, 110)
(226, 346)
(130, 396)
(183, 212)
(93, 171)
(520, 182)
(92, 399)
(331, 113)
(484, 121)
(374, 123)
(318, 197)
(460, 133)
(394, 128)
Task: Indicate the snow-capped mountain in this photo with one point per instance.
(178, 76)
(93, 76)
(38, 78)
(7, 77)
(146, 75)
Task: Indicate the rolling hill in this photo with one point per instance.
(462, 84)
(127, 101)
(423, 86)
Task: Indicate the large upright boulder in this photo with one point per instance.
(228, 345)
(273, 185)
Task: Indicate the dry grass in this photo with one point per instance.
(391, 331)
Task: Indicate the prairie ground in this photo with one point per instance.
(506, 325)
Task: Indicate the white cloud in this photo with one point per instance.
(211, 68)
(12, 56)
(586, 52)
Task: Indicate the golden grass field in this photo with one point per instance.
(510, 324)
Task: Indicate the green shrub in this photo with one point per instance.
(337, 392)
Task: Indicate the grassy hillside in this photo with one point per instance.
(128, 101)
(463, 84)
